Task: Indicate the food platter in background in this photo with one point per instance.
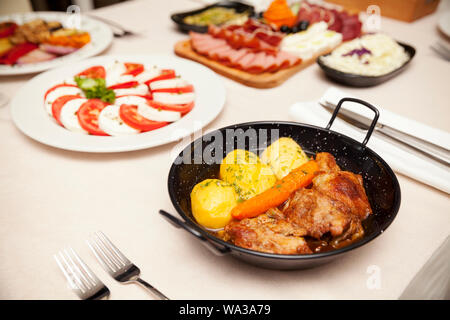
(31, 117)
(266, 49)
(100, 38)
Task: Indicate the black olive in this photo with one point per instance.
(261, 14)
(295, 29)
(284, 28)
(303, 25)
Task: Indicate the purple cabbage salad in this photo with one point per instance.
(358, 52)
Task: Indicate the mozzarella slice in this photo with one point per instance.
(169, 83)
(148, 74)
(59, 92)
(69, 117)
(147, 111)
(158, 115)
(115, 74)
(140, 89)
(133, 100)
(110, 122)
(174, 98)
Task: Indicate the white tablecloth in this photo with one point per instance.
(51, 198)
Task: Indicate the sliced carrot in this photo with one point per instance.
(279, 193)
(279, 13)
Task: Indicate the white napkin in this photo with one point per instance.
(400, 158)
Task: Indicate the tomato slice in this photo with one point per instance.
(124, 85)
(134, 68)
(59, 103)
(186, 89)
(88, 116)
(58, 86)
(165, 74)
(128, 113)
(94, 72)
(182, 108)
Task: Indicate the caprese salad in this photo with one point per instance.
(121, 98)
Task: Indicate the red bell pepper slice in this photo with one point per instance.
(16, 52)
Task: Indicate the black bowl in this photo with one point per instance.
(237, 6)
(355, 80)
(380, 183)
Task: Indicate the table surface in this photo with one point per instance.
(52, 198)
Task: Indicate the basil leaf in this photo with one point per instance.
(95, 88)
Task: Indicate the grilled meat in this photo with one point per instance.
(268, 232)
(335, 205)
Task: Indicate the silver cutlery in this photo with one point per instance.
(441, 50)
(117, 265)
(122, 31)
(80, 278)
(426, 148)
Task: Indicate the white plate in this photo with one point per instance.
(444, 23)
(29, 115)
(101, 37)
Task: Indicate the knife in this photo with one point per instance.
(431, 150)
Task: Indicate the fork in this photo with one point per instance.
(81, 279)
(124, 32)
(116, 264)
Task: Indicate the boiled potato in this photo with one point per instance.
(5, 46)
(212, 201)
(246, 173)
(283, 156)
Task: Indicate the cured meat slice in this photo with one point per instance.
(271, 63)
(223, 55)
(252, 34)
(258, 64)
(233, 57)
(282, 61)
(243, 62)
(216, 52)
(207, 46)
(244, 58)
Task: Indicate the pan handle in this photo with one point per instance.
(177, 223)
(368, 105)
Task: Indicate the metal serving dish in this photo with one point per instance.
(355, 80)
(380, 183)
(237, 6)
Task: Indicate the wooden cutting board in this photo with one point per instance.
(261, 80)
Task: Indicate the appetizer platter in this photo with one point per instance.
(296, 202)
(367, 61)
(36, 41)
(118, 103)
(264, 50)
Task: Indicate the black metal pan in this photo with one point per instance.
(178, 18)
(355, 80)
(380, 183)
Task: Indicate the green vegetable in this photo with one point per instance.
(95, 88)
(217, 16)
